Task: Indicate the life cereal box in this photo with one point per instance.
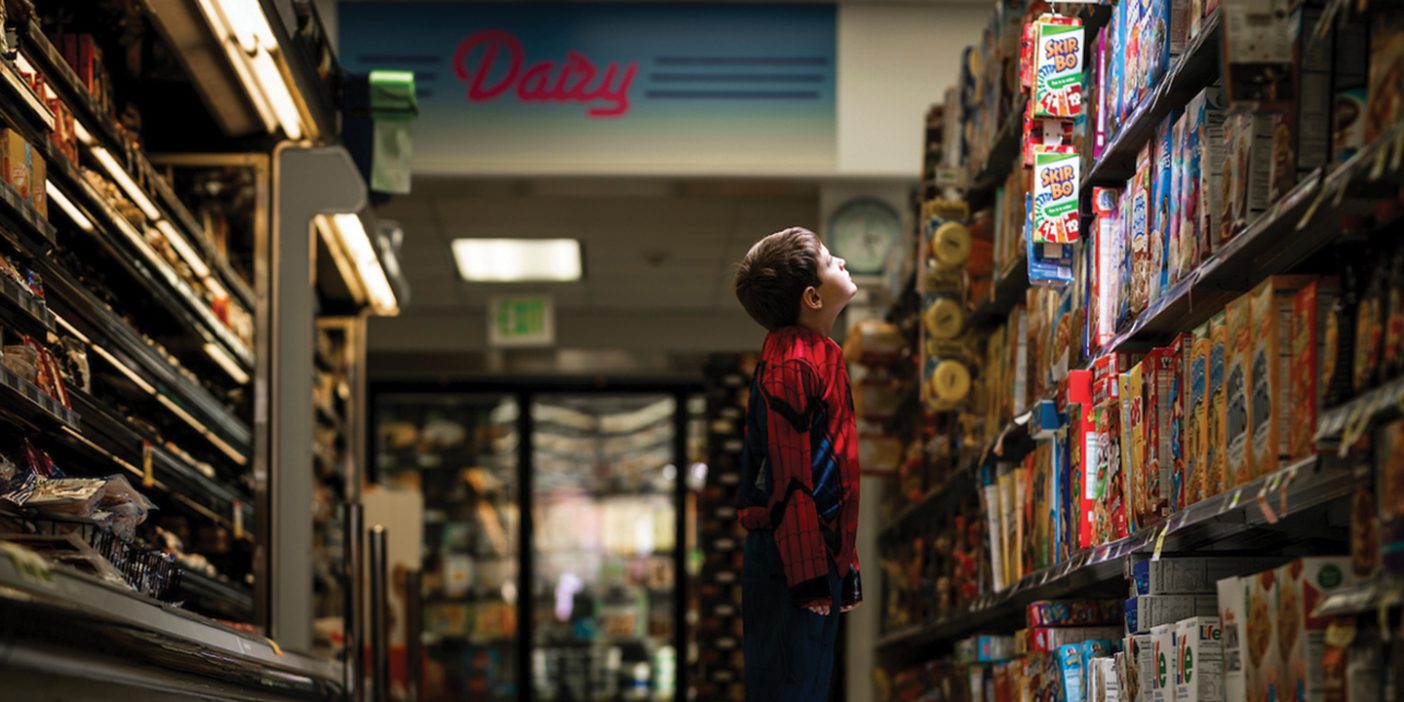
(1199, 660)
(1055, 217)
(1057, 89)
(1270, 373)
(1238, 466)
(1163, 652)
(1301, 637)
(1215, 475)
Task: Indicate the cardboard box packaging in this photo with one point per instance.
(1238, 466)
(39, 192)
(1261, 662)
(1197, 411)
(1216, 479)
(1248, 146)
(1163, 679)
(1271, 422)
(1162, 205)
(1233, 615)
(1199, 663)
(1308, 315)
(1139, 227)
(1141, 663)
(1146, 613)
(1209, 113)
(1190, 576)
(1158, 462)
(1133, 448)
(1301, 638)
(17, 162)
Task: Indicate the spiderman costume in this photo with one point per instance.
(799, 501)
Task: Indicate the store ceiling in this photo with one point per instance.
(648, 244)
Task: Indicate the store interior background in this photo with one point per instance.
(660, 243)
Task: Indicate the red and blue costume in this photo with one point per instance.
(799, 501)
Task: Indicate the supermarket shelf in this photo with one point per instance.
(104, 129)
(1306, 220)
(1367, 597)
(999, 161)
(145, 264)
(113, 439)
(22, 225)
(114, 341)
(27, 111)
(21, 308)
(1350, 420)
(959, 484)
(1231, 520)
(1194, 70)
(92, 615)
(215, 596)
(24, 399)
(1009, 291)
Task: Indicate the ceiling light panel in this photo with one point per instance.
(518, 260)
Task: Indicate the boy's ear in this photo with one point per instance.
(811, 299)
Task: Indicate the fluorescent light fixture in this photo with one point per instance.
(84, 136)
(182, 246)
(65, 204)
(518, 260)
(248, 23)
(129, 186)
(270, 80)
(226, 363)
(240, 62)
(357, 248)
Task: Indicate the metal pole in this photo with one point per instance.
(414, 625)
(379, 631)
(356, 602)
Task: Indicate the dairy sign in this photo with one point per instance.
(508, 88)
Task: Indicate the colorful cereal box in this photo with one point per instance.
(1173, 427)
(1302, 584)
(1161, 370)
(1261, 662)
(1057, 89)
(1197, 436)
(1133, 447)
(1271, 422)
(1179, 259)
(1215, 475)
(1233, 616)
(1056, 217)
(1162, 205)
(1199, 664)
(17, 157)
(1310, 308)
(1248, 146)
(1386, 98)
(1238, 466)
(1208, 114)
(1163, 652)
(1139, 221)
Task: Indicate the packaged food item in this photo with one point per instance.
(1369, 331)
(1180, 352)
(1389, 481)
(17, 162)
(1216, 466)
(1300, 635)
(1385, 104)
(1233, 617)
(1197, 430)
(1257, 52)
(1392, 350)
(1238, 408)
(1310, 307)
(1072, 666)
(1208, 114)
(1190, 576)
(1056, 613)
(1133, 448)
(1271, 419)
(1139, 221)
(1262, 663)
(1180, 259)
(1050, 639)
(1352, 662)
(39, 192)
(1348, 123)
(985, 649)
(1162, 205)
(1141, 668)
(1163, 647)
(1248, 148)
(1338, 340)
(1301, 138)
(1057, 88)
(1145, 613)
(1199, 663)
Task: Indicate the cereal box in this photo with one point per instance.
(1187, 228)
(1057, 89)
(1258, 643)
(1163, 653)
(1199, 663)
(1271, 420)
(1310, 306)
(1233, 616)
(1301, 637)
(1180, 351)
(1162, 206)
(1132, 74)
(1141, 664)
(1348, 129)
(1072, 613)
(1257, 53)
(1190, 576)
(1177, 261)
(1248, 146)
(1146, 612)
(1238, 466)
(17, 162)
(1216, 465)
(39, 193)
(1209, 113)
(1161, 370)
(1133, 447)
(1197, 433)
(1056, 217)
(1139, 222)
(1385, 104)
(1301, 140)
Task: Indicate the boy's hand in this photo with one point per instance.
(849, 608)
(819, 609)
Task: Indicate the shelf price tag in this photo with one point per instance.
(1160, 543)
(277, 650)
(148, 476)
(238, 519)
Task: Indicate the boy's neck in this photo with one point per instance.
(822, 327)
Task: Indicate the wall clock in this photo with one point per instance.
(862, 232)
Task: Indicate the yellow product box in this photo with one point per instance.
(39, 192)
(1133, 446)
(1301, 637)
(17, 157)
(1215, 478)
(1270, 373)
(1238, 398)
(1197, 417)
(1262, 664)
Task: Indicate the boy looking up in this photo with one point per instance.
(799, 470)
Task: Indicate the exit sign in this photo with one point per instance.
(516, 321)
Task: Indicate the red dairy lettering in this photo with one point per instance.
(492, 41)
(535, 82)
(573, 80)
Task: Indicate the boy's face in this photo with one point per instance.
(836, 286)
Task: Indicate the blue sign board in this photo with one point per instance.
(608, 88)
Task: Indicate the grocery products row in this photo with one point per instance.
(1162, 321)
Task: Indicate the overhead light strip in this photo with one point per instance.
(68, 207)
(361, 251)
(226, 363)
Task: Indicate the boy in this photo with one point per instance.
(799, 470)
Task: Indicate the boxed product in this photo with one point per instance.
(1050, 639)
(1248, 147)
(1233, 616)
(1385, 104)
(1146, 612)
(1196, 416)
(1139, 223)
(1301, 139)
(38, 191)
(1073, 613)
(1238, 464)
(18, 162)
(1257, 53)
(1208, 113)
(1139, 684)
(1310, 307)
(1262, 664)
(1199, 660)
(985, 649)
(1216, 454)
(1161, 386)
(1190, 576)
(1163, 647)
(1055, 199)
(1102, 680)
(1073, 662)
(1133, 447)
(1301, 637)
(1057, 86)
(1271, 421)
(1178, 259)
(1389, 480)
(1163, 205)
(1348, 128)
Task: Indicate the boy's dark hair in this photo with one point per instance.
(774, 274)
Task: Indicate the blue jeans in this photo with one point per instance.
(789, 650)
